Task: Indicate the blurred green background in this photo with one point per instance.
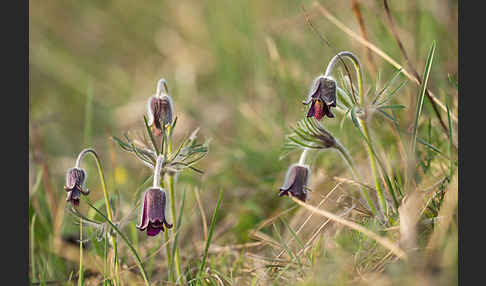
(237, 69)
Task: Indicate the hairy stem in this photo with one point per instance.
(80, 277)
(172, 207)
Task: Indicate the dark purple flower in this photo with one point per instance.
(322, 97)
(153, 212)
(296, 181)
(160, 111)
(75, 184)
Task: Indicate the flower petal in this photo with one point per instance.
(153, 231)
(143, 217)
(311, 109)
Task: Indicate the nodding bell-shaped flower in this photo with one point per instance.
(153, 212)
(322, 97)
(75, 185)
(160, 109)
(296, 181)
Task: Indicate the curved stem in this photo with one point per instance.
(357, 66)
(107, 200)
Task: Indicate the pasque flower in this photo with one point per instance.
(75, 185)
(296, 181)
(153, 208)
(160, 109)
(322, 97)
(153, 212)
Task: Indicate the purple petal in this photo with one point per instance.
(311, 110)
(153, 231)
(155, 205)
(143, 219)
(289, 178)
(327, 111)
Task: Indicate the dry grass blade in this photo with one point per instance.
(447, 211)
(203, 215)
(409, 213)
(310, 216)
(385, 242)
(379, 52)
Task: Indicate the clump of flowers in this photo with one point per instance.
(310, 135)
(163, 159)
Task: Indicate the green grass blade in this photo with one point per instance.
(177, 227)
(420, 101)
(451, 166)
(294, 235)
(81, 271)
(32, 240)
(138, 261)
(152, 139)
(210, 233)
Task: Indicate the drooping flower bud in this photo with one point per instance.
(160, 112)
(296, 181)
(322, 97)
(153, 212)
(75, 185)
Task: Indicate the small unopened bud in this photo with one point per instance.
(160, 112)
(322, 97)
(296, 181)
(153, 212)
(75, 185)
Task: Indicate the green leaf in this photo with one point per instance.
(393, 106)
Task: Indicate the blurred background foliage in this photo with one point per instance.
(237, 69)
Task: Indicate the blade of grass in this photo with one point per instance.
(177, 228)
(210, 234)
(451, 166)
(420, 101)
(151, 135)
(294, 235)
(81, 276)
(385, 242)
(32, 240)
(138, 261)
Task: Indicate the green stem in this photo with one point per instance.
(349, 161)
(363, 123)
(107, 203)
(173, 208)
(80, 277)
(374, 171)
